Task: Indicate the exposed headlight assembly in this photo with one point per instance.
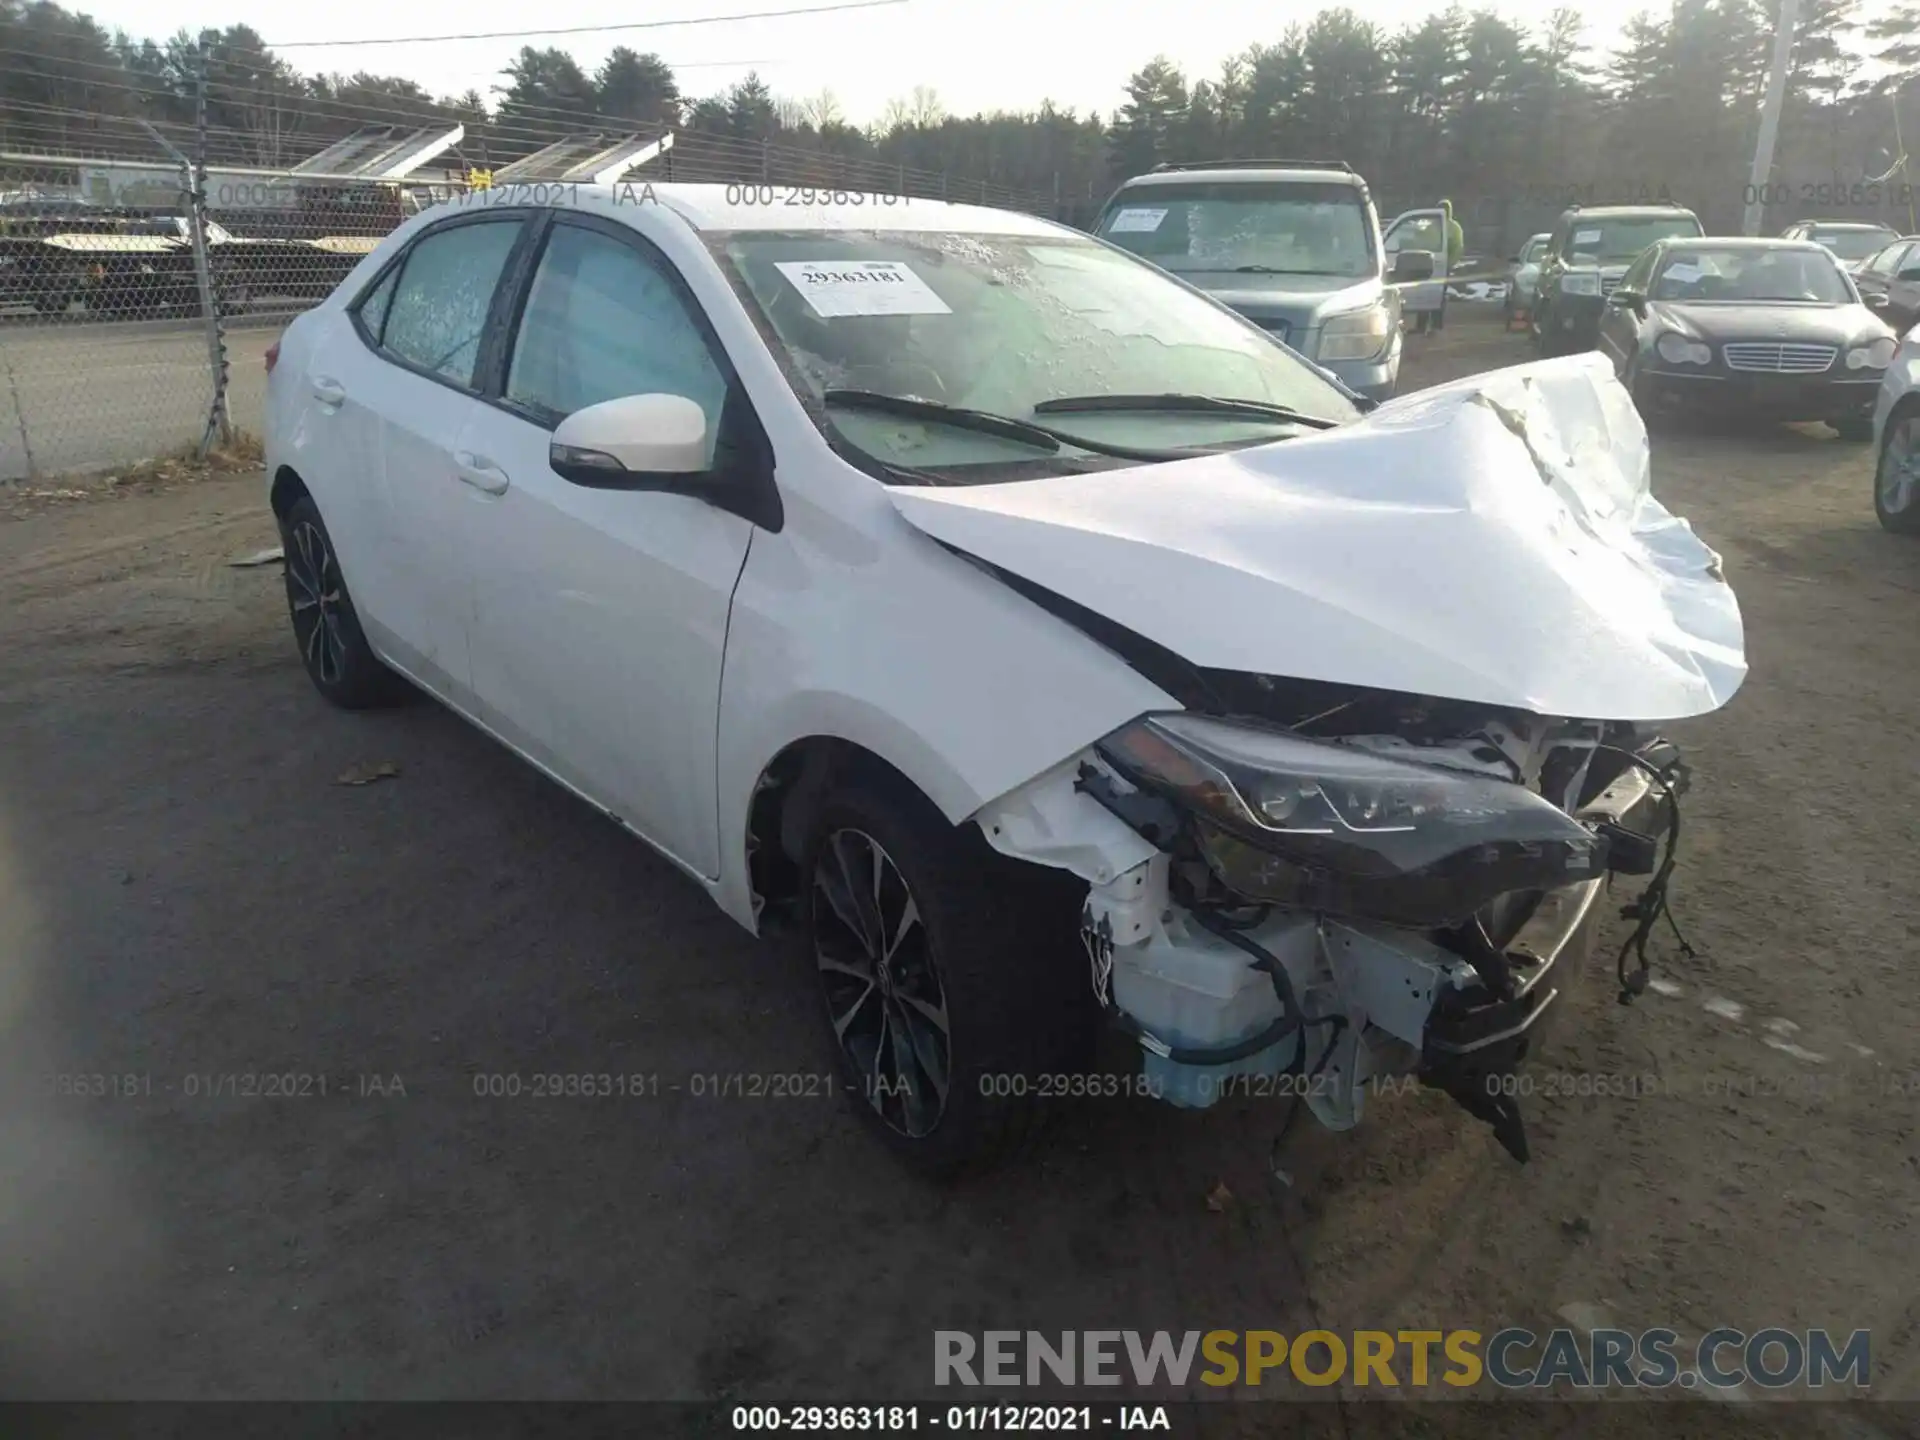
(1291, 821)
(1579, 282)
(1874, 355)
(1356, 335)
(1679, 350)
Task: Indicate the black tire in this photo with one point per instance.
(1855, 431)
(332, 646)
(1896, 499)
(990, 945)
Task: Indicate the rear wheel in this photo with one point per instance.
(333, 648)
(1896, 479)
(950, 978)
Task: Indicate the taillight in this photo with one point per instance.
(273, 356)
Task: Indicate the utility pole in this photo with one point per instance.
(1770, 116)
(1900, 147)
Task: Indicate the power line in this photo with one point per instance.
(588, 29)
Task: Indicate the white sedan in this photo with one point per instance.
(1028, 634)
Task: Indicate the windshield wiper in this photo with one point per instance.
(1004, 426)
(1277, 270)
(1041, 437)
(1192, 404)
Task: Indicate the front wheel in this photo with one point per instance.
(1896, 479)
(950, 978)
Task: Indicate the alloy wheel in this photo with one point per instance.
(1899, 470)
(881, 981)
(316, 599)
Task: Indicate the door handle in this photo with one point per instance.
(328, 391)
(479, 472)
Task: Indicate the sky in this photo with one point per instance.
(977, 54)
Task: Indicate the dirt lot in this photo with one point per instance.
(188, 893)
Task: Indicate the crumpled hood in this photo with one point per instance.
(1492, 540)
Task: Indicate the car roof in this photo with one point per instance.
(709, 208)
(1846, 225)
(1738, 242)
(1622, 212)
(1251, 175)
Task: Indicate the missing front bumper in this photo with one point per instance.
(1475, 1041)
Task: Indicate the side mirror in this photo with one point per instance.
(1411, 265)
(637, 442)
(661, 442)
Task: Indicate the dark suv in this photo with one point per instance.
(1590, 250)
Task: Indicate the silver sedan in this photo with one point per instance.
(1896, 437)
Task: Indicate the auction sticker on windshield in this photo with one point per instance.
(1586, 237)
(835, 288)
(1135, 220)
(1683, 272)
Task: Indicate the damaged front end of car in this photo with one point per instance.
(1415, 668)
(1323, 911)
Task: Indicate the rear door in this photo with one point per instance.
(1419, 230)
(414, 380)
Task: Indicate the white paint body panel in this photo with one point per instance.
(1491, 540)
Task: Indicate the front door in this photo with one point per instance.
(599, 618)
(1419, 230)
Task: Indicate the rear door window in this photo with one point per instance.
(440, 302)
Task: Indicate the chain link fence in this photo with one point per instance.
(138, 295)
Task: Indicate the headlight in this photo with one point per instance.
(1874, 355)
(1356, 335)
(1575, 283)
(1678, 350)
(1341, 830)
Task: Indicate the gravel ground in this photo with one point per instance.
(188, 893)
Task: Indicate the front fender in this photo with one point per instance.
(911, 653)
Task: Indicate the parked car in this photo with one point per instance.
(1896, 437)
(1766, 328)
(1015, 627)
(1293, 245)
(1523, 274)
(1889, 281)
(1590, 249)
(133, 266)
(123, 269)
(1851, 241)
(247, 267)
